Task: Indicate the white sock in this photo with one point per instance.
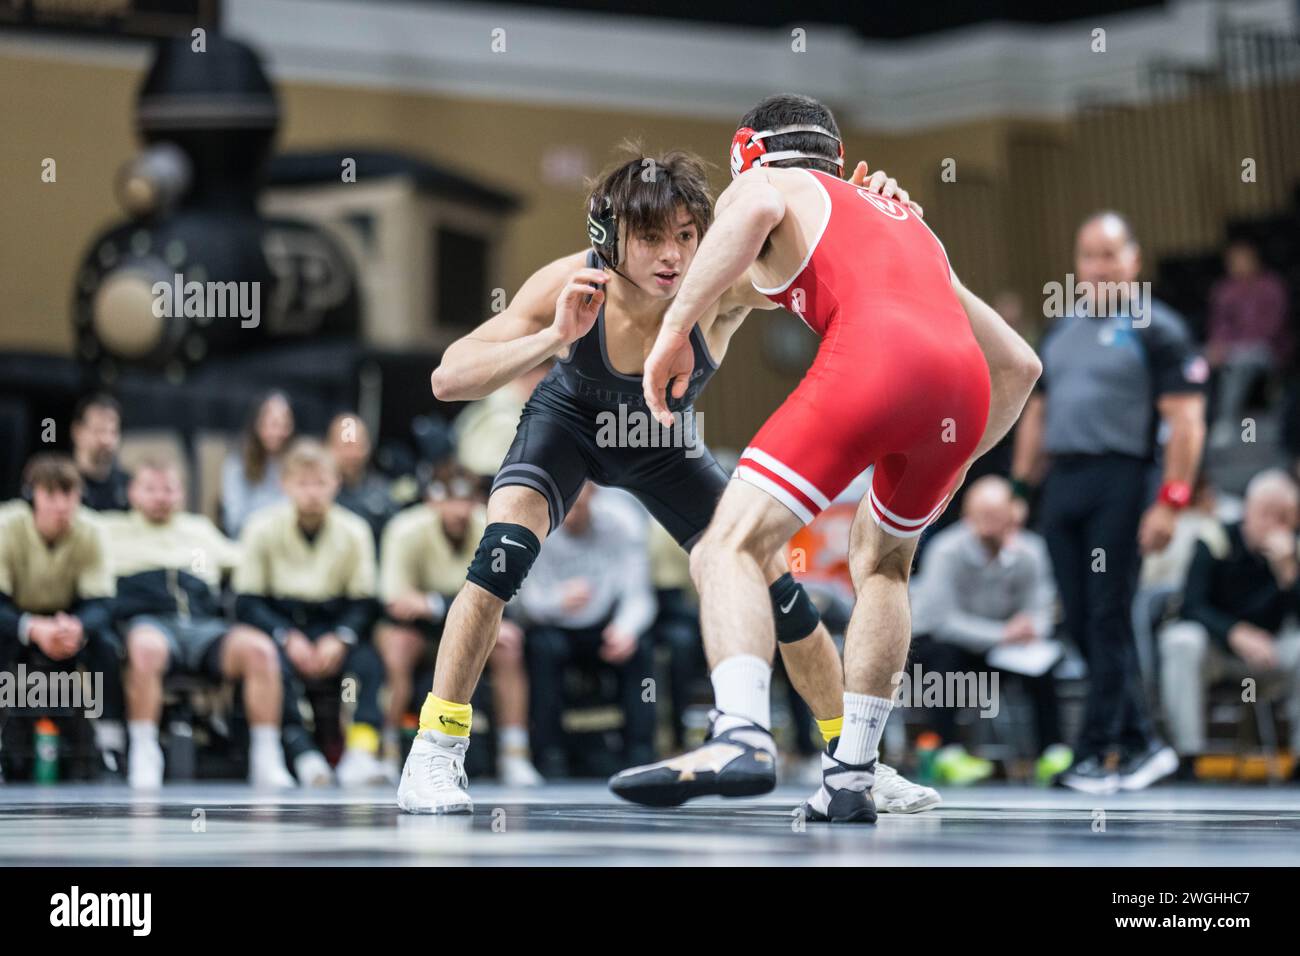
(864, 722)
(264, 741)
(143, 733)
(742, 688)
(514, 741)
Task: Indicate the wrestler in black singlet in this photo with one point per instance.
(555, 448)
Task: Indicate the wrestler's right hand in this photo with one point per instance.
(579, 303)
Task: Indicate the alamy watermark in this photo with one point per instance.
(1098, 298)
(212, 300)
(40, 690)
(637, 428)
(922, 688)
(133, 911)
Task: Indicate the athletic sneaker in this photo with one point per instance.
(434, 779)
(1090, 775)
(845, 795)
(737, 762)
(954, 765)
(1053, 762)
(1140, 770)
(894, 793)
(359, 767)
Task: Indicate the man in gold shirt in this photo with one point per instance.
(56, 590)
(168, 564)
(307, 578)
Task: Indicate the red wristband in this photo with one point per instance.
(1176, 494)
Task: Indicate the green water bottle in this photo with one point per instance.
(927, 745)
(47, 751)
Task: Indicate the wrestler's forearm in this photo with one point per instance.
(472, 369)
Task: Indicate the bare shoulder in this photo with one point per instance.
(793, 180)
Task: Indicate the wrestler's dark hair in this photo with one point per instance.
(644, 190)
(791, 109)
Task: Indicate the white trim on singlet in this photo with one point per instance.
(890, 529)
(942, 247)
(811, 249)
(783, 470)
(763, 483)
(901, 521)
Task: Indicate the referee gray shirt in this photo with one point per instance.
(1102, 377)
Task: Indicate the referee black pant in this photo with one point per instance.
(1091, 508)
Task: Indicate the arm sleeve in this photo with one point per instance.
(234, 495)
(394, 578)
(1175, 364)
(96, 578)
(636, 602)
(257, 610)
(360, 607)
(226, 553)
(1197, 604)
(357, 617)
(95, 587)
(361, 583)
(95, 614)
(251, 586)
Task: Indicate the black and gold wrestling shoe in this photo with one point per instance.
(737, 762)
(845, 793)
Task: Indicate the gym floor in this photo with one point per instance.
(582, 824)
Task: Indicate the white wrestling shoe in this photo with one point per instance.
(144, 765)
(360, 768)
(434, 780)
(516, 770)
(894, 793)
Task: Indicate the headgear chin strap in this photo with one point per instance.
(748, 151)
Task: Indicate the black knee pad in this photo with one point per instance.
(504, 555)
(796, 615)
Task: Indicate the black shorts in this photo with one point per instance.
(554, 452)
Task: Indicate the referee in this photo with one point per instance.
(1118, 369)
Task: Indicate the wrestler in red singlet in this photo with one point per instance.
(899, 383)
